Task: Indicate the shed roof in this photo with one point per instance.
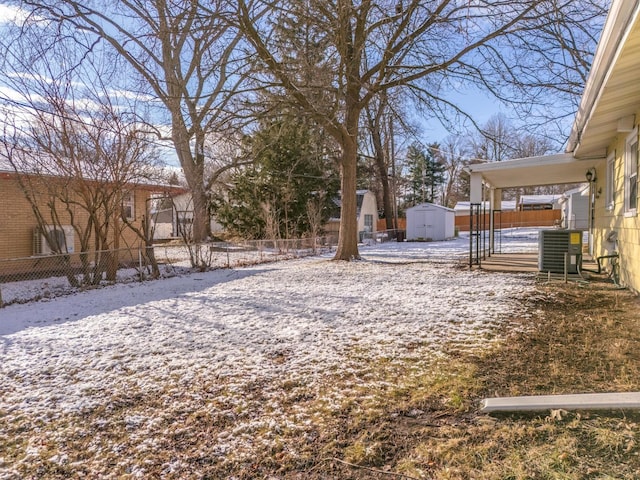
(360, 194)
(427, 204)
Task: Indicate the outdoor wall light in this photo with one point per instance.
(591, 175)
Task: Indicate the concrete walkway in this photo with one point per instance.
(522, 263)
(511, 262)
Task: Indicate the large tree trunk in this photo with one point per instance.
(348, 237)
(201, 225)
(193, 169)
(381, 165)
(194, 176)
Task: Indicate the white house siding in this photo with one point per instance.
(368, 213)
(463, 208)
(575, 209)
(182, 211)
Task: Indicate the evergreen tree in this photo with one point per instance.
(270, 199)
(426, 173)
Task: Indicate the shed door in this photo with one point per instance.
(426, 229)
(429, 228)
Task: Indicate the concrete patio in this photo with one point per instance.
(528, 263)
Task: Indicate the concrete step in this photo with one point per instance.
(583, 401)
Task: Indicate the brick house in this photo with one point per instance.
(19, 231)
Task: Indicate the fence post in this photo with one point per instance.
(140, 262)
(1, 303)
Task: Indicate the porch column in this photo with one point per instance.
(495, 203)
(475, 187)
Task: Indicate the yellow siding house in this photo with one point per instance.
(602, 147)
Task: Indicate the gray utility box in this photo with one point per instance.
(553, 244)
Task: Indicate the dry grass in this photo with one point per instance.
(585, 340)
(413, 417)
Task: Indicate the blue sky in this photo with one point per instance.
(474, 102)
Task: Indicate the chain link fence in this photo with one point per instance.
(47, 276)
(382, 236)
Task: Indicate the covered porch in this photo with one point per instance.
(527, 262)
(487, 183)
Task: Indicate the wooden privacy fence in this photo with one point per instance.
(526, 218)
(382, 224)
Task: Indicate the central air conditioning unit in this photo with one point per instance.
(58, 239)
(554, 245)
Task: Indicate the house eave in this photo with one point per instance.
(611, 89)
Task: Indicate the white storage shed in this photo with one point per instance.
(429, 222)
(575, 208)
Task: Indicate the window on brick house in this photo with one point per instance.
(128, 207)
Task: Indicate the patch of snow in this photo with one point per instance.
(246, 328)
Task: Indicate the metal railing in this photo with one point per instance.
(46, 276)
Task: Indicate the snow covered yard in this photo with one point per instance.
(184, 375)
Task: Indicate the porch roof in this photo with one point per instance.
(611, 97)
(532, 171)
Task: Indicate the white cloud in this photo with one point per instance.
(130, 95)
(12, 14)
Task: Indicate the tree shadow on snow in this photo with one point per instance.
(44, 313)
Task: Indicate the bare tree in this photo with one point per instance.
(184, 54)
(453, 153)
(553, 56)
(530, 145)
(496, 139)
(315, 215)
(271, 218)
(377, 120)
(375, 46)
(500, 139)
(77, 152)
